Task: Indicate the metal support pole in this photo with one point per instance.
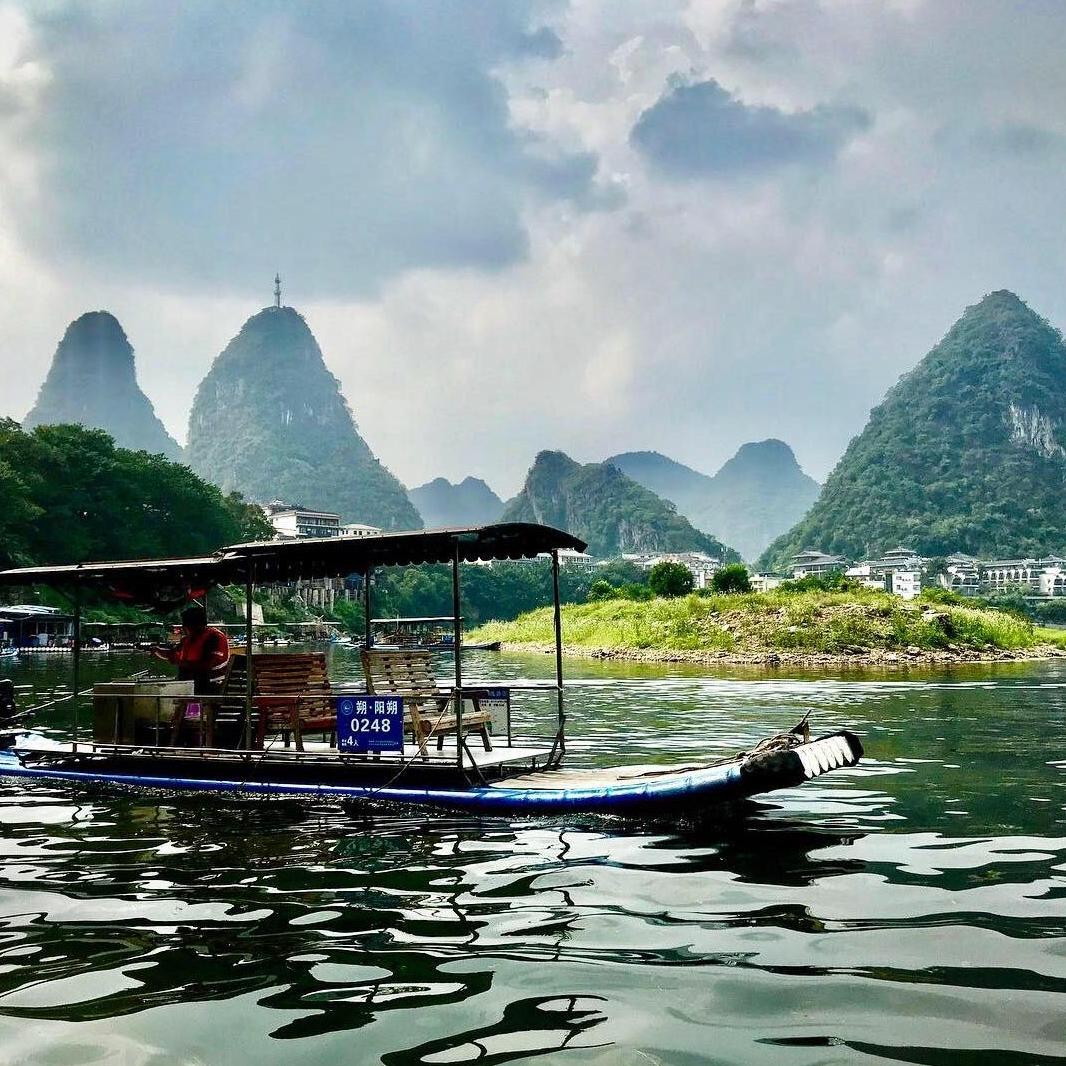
(249, 681)
(457, 641)
(558, 652)
(76, 664)
(368, 636)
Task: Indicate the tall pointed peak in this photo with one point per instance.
(966, 453)
(269, 420)
(93, 382)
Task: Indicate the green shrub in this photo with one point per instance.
(670, 579)
(732, 578)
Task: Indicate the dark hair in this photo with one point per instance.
(194, 617)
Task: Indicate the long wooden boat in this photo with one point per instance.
(650, 790)
(157, 734)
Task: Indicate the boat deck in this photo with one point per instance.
(530, 754)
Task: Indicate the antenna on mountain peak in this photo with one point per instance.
(277, 290)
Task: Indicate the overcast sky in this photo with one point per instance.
(596, 226)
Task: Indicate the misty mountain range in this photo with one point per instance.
(979, 420)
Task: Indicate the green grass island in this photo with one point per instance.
(802, 627)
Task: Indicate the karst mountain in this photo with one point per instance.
(93, 382)
(603, 506)
(755, 496)
(966, 453)
(469, 503)
(269, 420)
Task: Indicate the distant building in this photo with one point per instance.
(702, 567)
(354, 529)
(29, 625)
(863, 573)
(570, 558)
(962, 575)
(1053, 578)
(297, 522)
(811, 562)
(293, 522)
(764, 582)
(906, 584)
(898, 571)
(1038, 577)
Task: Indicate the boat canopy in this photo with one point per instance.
(273, 561)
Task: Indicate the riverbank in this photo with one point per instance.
(812, 628)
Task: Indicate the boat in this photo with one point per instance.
(402, 737)
(9, 653)
(423, 632)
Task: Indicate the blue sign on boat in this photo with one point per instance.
(369, 723)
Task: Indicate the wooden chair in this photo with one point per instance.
(409, 673)
(290, 693)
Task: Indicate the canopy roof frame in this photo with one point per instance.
(277, 561)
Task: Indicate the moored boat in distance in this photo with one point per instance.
(278, 725)
(394, 634)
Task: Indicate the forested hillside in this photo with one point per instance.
(71, 496)
(966, 453)
(605, 508)
(269, 420)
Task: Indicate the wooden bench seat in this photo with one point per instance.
(291, 695)
(409, 673)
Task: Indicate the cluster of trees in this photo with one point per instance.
(669, 580)
(502, 591)
(69, 495)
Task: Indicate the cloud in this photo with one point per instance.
(1019, 139)
(699, 129)
(199, 145)
(431, 180)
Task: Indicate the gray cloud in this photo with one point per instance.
(1019, 139)
(698, 129)
(197, 146)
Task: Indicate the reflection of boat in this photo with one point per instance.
(161, 735)
(9, 653)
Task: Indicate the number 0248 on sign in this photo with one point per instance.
(369, 723)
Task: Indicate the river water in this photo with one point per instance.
(912, 909)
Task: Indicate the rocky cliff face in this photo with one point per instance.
(966, 453)
(754, 497)
(269, 420)
(92, 382)
(470, 503)
(601, 505)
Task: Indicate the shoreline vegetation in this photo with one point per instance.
(817, 627)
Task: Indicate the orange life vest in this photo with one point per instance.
(204, 655)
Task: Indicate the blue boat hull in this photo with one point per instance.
(686, 791)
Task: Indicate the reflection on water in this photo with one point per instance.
(912, 909)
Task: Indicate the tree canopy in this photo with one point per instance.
(670, 579)
(70, 495)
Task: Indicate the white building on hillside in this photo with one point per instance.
(1031, 574)
(354, 529)
(812, 562)
(963, 575)
(764, 582)
(290, 522)
(570, 558)
(702, 567)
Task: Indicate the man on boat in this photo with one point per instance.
(202, 653)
